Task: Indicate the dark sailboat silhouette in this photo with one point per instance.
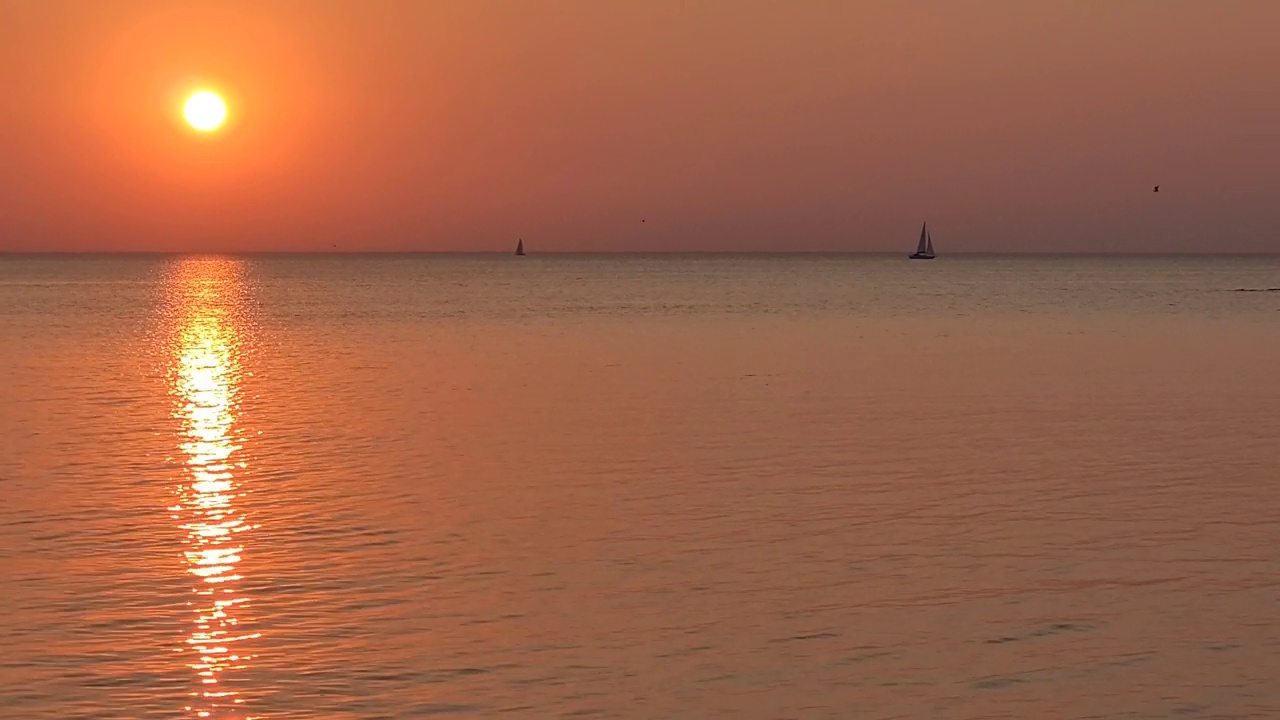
(520, 246)
(924, 251)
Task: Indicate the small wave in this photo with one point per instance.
(1274, 289)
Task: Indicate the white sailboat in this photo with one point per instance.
(924, 251)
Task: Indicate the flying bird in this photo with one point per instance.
(1157, 189)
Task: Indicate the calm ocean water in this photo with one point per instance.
(639, 487)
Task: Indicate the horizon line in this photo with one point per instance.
(963, 253)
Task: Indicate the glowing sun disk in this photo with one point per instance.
(205, 111)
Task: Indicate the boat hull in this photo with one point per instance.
(918, 256)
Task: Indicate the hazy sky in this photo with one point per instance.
(723, 125)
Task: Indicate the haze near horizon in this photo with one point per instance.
(660, 126)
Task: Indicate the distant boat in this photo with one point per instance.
(924, 251)
(520, 246)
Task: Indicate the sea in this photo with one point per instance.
(759, 487)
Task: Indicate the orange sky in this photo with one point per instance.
(745, 125)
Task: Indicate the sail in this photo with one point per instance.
(520, 247)
(924, 235)
(928, 245)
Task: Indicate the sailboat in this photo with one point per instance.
(924, 251)
(520, 246)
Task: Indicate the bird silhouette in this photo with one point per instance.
(1157, 189)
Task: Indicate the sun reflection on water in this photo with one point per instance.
(205, 377)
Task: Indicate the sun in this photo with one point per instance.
(205, 111)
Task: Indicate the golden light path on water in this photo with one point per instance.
(205, 376)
